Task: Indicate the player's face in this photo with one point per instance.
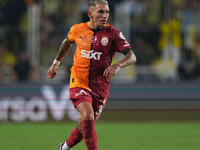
(100, 15)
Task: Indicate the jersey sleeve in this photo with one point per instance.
(121, 44)
(72, 34)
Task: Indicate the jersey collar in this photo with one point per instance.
(96, 30)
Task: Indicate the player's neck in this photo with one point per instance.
(93, 27)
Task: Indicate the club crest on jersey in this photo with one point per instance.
(93, 39)
(104, 41)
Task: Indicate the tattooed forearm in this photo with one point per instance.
(130, 58)
(64, 48)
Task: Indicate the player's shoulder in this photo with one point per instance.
(80, 25)
(112, 29)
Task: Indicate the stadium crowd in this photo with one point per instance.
(164, 34)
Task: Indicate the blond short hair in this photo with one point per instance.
(93, 3)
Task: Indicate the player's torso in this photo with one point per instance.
(93, 55)
(93, 47)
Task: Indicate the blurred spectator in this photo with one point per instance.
(84, 11)
(145, 53)
(6, 57)
(23, 67)
(7, 61)
(13, 12)
(190, 16)
(35, 74)
(196, 49)
(47, 30)
(170, 44)
(189, 68)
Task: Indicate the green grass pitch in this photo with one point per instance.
(111, 135)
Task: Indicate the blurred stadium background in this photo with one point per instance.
(164, 84)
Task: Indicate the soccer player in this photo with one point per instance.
(97, 43)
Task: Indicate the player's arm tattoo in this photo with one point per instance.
(64, 49)
(129, 59)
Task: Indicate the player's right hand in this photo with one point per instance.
(52, 71)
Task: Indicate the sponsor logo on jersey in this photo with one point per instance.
(104, 41)
(93, 39)
(91, 54)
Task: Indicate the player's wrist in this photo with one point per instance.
(118, 65)
(56, 62)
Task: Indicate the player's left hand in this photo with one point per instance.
(111, 71)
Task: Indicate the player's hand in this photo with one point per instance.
(52, 71)
(111, 71)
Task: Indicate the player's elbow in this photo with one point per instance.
(133, 57)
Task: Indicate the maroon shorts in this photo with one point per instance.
(79, 95)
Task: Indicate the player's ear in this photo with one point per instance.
(89, 13)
